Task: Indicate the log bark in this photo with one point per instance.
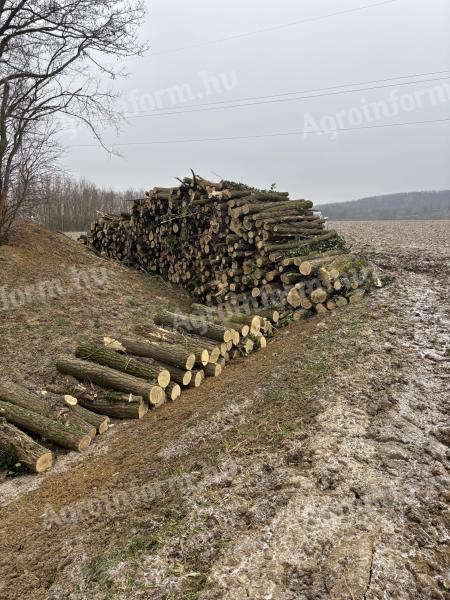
(53, 407)
(24, 449)
(198, 376)
(113, 405)
(213, 370)
(157, 335)
(107, 377)
(173, 391)
(62, 434)
(110, 358)
(100, 422)
(193, 324)
(180, 376)
(165, 353)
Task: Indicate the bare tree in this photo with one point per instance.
(54, 58)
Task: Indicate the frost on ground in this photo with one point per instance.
(315, 470)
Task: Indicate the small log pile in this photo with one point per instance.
(122, 378)
(52, 417)
(229, 244)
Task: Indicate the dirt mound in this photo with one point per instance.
(55, 293)
(33, 251)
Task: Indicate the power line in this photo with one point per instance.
(273, 28)
(264, 135)
(278, 100)
(331, 87)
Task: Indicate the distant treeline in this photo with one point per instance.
(409, 205)
(69, 205)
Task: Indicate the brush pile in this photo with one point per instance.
(229, 244)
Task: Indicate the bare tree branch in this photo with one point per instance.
(53, 60)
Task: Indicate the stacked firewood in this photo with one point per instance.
(122, 378)
(230, 244)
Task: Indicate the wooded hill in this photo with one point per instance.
(409, 205)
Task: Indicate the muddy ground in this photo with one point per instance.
(317, 469)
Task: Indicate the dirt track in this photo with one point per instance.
(318, 469)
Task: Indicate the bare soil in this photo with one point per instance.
(316, 469)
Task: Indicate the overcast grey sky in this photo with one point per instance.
(265, 50)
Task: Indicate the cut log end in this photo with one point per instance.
(143, 410)
(174, 392)
(187, 377)
(157, 396)
(44, 462)
(213, 370)
(84, 443)
(164, 378)
(104, 426)
(204, 358)
(190, 362)
(70, 400)
(24, 449)
(228, 335)
(261, 342)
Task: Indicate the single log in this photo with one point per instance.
(165, 353)
(117, 406)
(252, 320)
(246, 346)
(110, 358)
(318, 296)
(235, 337)
(267, 313)
(340, 301)
(214, 347)
(299, 314)
(331, 305)
(193, 324)
(100, 422)
(320, 309)
(24, 449)
(173, 391)
(59, 403)
(52, 407)
(62, 434)
(242, 328)
(290, 278)
(199, 346)
(355, 296)
(302, 243)
(213, 370)
(259, 340)
(180, 376)
(104, 376)
(294, 298)
(198, 376)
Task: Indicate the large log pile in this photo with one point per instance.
(232, 245)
